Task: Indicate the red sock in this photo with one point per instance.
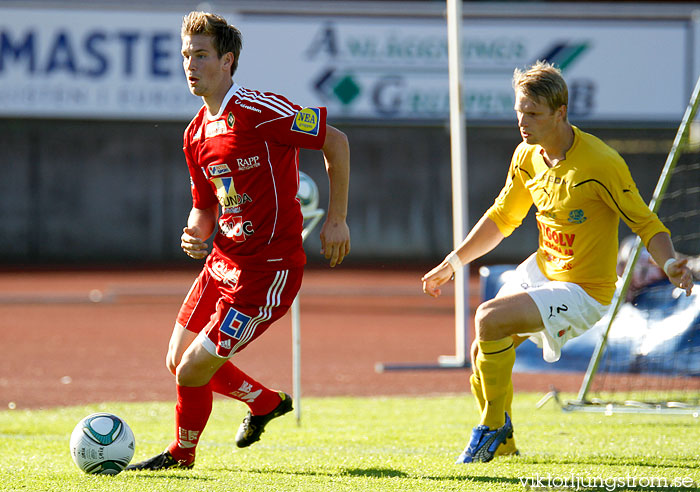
(230, 381)
(191, 415)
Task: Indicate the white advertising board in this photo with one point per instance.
(126, 65)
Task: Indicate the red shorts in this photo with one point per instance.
(230, 308)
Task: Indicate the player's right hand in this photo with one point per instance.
(193, 246)
(436, 277)
(680, 275)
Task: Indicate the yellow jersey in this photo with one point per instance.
(579, 204)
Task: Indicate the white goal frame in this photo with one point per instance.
(582, 402)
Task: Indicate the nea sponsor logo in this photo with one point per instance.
(307, 121)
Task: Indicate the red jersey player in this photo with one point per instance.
(242, 151)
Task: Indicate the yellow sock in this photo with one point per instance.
(508, 447)
(495, 364)
(477, 391)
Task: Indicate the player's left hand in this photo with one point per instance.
(335, 240)
(680, 275)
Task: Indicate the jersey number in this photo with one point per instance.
(559, 309)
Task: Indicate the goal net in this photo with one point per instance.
(648, 355)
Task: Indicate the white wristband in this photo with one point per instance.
(668, 264)
(454, 261)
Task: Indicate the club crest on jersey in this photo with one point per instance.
(215, 128)
(307, 121)
(218, 169)
(577, 216)
(230, 120)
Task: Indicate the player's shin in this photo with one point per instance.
(495, 365)
(192, 412)
(230, 381)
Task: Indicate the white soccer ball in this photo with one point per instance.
(307, 194)
(102, 444)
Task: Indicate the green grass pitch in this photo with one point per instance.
(367, 444)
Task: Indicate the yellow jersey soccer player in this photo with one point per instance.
(581, 188)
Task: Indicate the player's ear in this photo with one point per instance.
(563, 109)
(227, 60)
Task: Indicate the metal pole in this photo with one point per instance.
(314, 217)
(458, 143)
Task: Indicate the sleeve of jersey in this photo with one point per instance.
(621, 194)
(290, 124)
(512, 203)
(203, 196)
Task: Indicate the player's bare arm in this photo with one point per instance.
(661, 250)
(200, 225)
(335, 234)
(483, 237)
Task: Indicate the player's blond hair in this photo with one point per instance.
(542, 82)
(225, 37)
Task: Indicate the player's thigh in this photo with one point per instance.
(195, 314)
(507, 315)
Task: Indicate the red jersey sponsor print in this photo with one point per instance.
(245, 160)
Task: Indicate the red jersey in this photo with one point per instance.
(246, 159)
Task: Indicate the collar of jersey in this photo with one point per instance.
(234, 88)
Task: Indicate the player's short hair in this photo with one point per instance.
(542, 82)
(225, 37)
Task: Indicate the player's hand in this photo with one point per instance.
(193, 246)
(680, 275)
(335, 241)
(436, 277)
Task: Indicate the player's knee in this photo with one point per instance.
(474, 352)
(486, 322)
(183, 375)
(171, 364)
(190, 372)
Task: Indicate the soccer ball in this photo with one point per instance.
(307, 194)
(102, 444)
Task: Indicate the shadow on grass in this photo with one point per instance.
(376, 472)
(606, 460)
(170, 475)
(373, 472)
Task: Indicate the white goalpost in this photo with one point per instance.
(460, 216)
(458, 146)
